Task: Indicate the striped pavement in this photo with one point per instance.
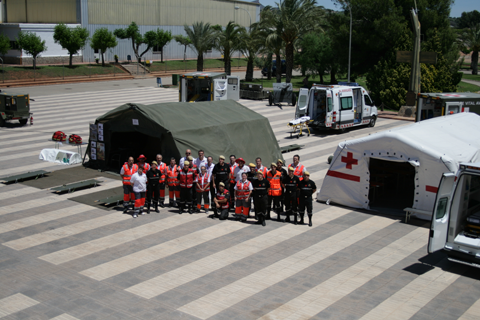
(64, 260)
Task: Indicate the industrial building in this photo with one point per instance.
(41, 16)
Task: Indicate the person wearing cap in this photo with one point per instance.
(274, 177)
(139, 183)
(186, 179)
(284, 174)
(221, 200)
(243, 191)
(172, 182)
(202, 182)
(221, 173)
(153, 186)
(290, 183)
(261, 188)
(188, 153)
(126, 172)
(233, 164)
(142, 161)
(307, 189)
(162, 167)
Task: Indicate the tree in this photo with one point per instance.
(317, 54)
(250, 43)
(202, 38)
(162, 38)
(292, 19)
(268, 26)
(71, 40)
(227, 41)
(184, 41)
(468, 19)
(132, 32)
(470, 40)
(31, 44)
(102, 40)
(4, 44)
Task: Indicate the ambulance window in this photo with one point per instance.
(233, 81)
(441, 208)
(453, 109)
(368, 101)
(346, 103)
(329, 104)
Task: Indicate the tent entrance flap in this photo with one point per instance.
(392, 184)
(131, 144)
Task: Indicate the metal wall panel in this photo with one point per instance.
(169, 12)
(42, 11)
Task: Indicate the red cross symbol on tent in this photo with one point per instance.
(349, 160)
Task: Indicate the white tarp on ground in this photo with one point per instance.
(60, 156)
(432, 146)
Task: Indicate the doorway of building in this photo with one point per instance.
(392, 184)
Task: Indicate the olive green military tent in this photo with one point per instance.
(218, 127)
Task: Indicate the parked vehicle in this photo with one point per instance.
(208, 86)
(432, 105)
(274, 68)
(14, 107)
(455, 226)
(336, 107)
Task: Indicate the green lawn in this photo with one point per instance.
(471, 77)
(44, 72)
(467, 87)
(189, 65)
(297, 81)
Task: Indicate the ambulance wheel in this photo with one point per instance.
(23, 121)
(343, 130)
(372, 121)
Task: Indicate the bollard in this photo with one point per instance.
(31, 120)
(159, 82)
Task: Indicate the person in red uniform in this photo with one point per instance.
(142, 161)
(221, 200)
(275, 192)
(162, 167)
(128, 169)
(243, 190)
(172, 182)
(290, 183)
(203, 189)
(139, 183)
(186, 178)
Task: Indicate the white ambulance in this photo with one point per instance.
(336, 107)
(455, 226)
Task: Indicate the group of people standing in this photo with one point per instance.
(229, 186)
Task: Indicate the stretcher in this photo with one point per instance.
(116, 200)
(300, 124)
(26, 176)
(75, 186)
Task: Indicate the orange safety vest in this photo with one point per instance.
(243, 190)
(146, 166)
(298, 171)
(186, 179)
(221, 196)
(172, 174)
(232, 180)
(275, 183)
(163, 168)
(127, 173)
(264, 171)
(203, 182)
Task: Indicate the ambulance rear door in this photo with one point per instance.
(329, 117)
(453, 107)
(441, 213)
(302, 105)
(347, 111)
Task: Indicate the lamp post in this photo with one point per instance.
(237, 8)
(350, 43)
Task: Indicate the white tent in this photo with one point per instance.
(431, 147)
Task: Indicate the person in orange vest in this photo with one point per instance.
(275, 192)
(139, 183)
(260, 167)
(193, 167)
(307, 189)
(153, 187)
(142, 161)
(284, 174)
(299, 170)
(290, 183)
(162, 167)
(243, 191)
(261, 187)
(172, 182)
(126, 172)
(203, 189)
(233, 164)
(186, 178)
(221, 200)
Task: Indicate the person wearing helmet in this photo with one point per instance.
(142, 161)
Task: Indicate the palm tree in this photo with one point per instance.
(268, 26)
(292, 19)
(471, 40)
(227, 41)
(251, 42)
(202, 38)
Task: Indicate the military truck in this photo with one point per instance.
(14, 107)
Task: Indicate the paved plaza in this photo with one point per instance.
(63, 259)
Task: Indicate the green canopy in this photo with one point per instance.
(217, 127)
